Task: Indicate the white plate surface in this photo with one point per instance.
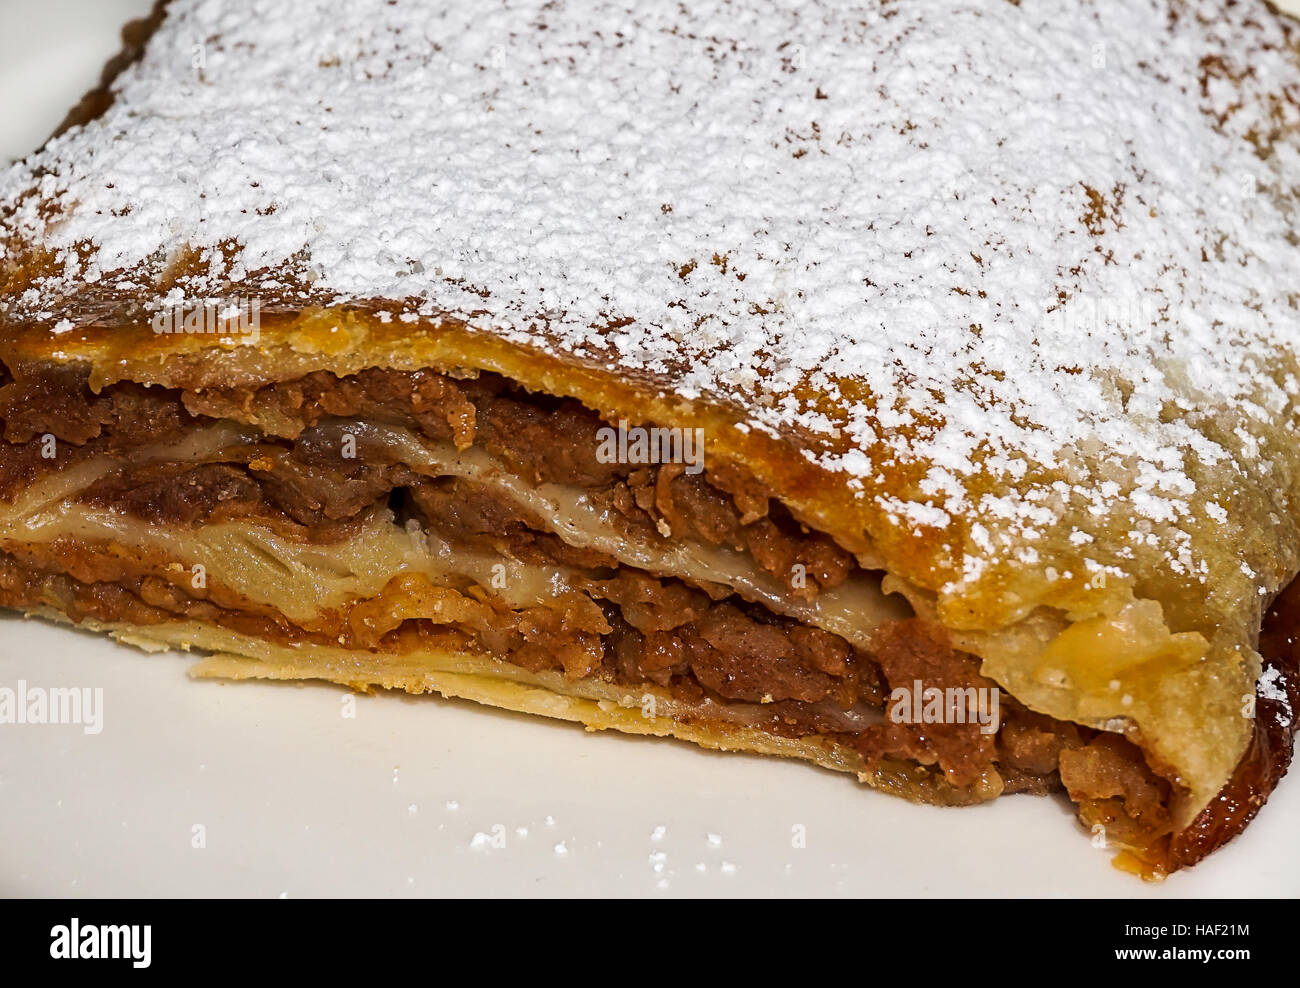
(419, 796)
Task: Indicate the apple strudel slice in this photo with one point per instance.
(910, 390)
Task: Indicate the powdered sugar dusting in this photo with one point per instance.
(1272, 686)
(995, 238)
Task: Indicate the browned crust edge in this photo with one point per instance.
(1271, 749)
(135, 37)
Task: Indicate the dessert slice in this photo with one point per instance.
(855, 388)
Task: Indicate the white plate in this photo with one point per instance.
(295, 799)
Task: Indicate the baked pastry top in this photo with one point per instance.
(997, 297)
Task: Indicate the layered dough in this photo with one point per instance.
(471, 545)
(1184, 677)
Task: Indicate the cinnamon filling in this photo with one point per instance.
(698, 638)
